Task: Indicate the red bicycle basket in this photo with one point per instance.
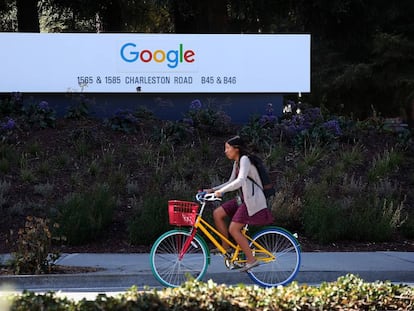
(182, 213)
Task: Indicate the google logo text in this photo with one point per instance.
(130, 54)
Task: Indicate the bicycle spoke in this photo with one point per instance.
(165, 262)
(284, 267)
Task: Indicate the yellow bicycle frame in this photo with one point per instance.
(261, 253)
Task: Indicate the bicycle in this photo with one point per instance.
(182, 253)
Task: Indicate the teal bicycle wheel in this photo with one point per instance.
(284, 246)
(166, 265)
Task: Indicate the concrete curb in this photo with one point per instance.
(126, 270)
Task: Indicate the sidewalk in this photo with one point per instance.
(126, 270)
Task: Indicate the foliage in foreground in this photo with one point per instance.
(33, 253)
(347, 293)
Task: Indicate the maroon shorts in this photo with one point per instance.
(239, 214)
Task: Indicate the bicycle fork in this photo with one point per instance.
(187, 243)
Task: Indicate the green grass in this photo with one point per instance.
(352, 158)
(384, 164)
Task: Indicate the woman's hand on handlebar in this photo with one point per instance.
(205, 195)
(217, 193)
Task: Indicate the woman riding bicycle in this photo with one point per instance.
(249, 207)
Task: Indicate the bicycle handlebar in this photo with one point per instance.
(204, 196)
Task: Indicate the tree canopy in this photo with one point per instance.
(362, 50)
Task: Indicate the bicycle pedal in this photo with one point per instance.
(232, 265)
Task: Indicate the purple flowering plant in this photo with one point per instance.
(9, 125)
(333, 127)
(7, 129)
(301, 122)
(207, 118)
(259, 131)
(268, 119)
(40, 114)
(43, 105)
(196, 105)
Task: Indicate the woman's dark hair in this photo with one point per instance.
(238, 142)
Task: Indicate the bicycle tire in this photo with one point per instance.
(286, 249)
(166, 266)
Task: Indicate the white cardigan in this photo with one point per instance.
(253, 196)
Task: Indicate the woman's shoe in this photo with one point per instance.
(248, 266)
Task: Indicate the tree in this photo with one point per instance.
(27, 16)
(198, 16)
(117, 16)
(362, 54)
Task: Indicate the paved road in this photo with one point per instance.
(121, 271)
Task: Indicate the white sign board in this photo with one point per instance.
(155, 63)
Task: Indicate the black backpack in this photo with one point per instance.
(268, 187)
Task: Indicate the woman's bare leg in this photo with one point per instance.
(220, 216)
(235, 231)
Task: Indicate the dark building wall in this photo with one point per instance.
(240, 107)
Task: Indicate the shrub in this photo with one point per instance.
(150, 221)
(33, 248)
(268, 119)
(260, 130)
(8, 131)
(301, 125)
(347, 293)
(124, 120)
(8, 125)
(372, 219)
(173, 132)
(325, 133)
(356, 210)
(144, 113)
(40, 115)
(255, 133)
(206, 119)
(48, 301)
(79, 109)
(287, 208)
(322, 217)
(85, 216)
(298, 120)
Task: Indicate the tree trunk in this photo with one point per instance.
(27, 16)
